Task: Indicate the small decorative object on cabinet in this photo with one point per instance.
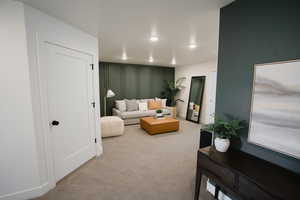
(222, 144)
(223, 131)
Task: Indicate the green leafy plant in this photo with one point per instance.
(172, 89)
(225, 129)
(159, 111)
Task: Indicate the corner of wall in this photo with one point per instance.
(202, 69)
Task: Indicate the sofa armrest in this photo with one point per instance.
(116, 112)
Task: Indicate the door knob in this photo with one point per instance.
(55, 123)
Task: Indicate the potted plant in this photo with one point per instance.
(159, 113)
(223, 131)
(170, 92)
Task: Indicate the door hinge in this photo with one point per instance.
(95, 140)
(93, 104)
(92, 65)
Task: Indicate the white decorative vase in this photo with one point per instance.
(222, 145)
(158, 115)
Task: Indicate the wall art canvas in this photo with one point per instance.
(275, 111)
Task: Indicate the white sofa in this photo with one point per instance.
(133, 117)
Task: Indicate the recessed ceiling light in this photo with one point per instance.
(153, 38)
(151, 59)
(124, 56)
(192, 46)
(173, 61)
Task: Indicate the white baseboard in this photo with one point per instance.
(29, 193)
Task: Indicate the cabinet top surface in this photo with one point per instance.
(261, 172)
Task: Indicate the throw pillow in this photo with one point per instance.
(121, 105)
(143, 100)
(131, 105)
(154, 105)
(143, 107)
(163, 102)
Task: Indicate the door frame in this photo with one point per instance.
(45, 149)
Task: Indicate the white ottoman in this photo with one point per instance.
(111, 126)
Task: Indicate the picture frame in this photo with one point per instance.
(275, 107)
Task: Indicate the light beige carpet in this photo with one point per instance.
(137, 166)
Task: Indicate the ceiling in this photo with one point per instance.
(125, 27)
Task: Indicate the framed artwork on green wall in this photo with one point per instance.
(275, 110)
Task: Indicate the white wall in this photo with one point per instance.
(26, 169)
(203, 69)
(18, 158)
(43, 28)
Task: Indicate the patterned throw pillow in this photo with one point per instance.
(154, 105)
(131, 105)
(121, 105)
(143, 106)
(163, 102)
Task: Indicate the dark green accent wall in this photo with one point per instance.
(132, 81)
(251, 32)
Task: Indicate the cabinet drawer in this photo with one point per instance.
(221, 173)
(250, 191)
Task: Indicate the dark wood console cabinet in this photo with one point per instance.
(246, 177)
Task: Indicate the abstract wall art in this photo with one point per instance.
(275, 110)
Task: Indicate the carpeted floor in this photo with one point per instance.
(137, 166)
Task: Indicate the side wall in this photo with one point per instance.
(253, 32)
(26, 169)
(203, 69)
(133, 81)
(19, 166)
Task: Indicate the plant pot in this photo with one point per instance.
(158, 115)
(221, 144)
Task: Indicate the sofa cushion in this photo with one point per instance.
(143, 106)
(137, 114)
(131, 105)
(163, 102)
(154, 105)
(121, 105)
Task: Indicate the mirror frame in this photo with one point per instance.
(201, 100)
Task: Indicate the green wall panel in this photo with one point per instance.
(144, 82)
(252, 32)
(132, 81)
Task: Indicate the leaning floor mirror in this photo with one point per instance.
(194, 105)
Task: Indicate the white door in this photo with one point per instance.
(69, 86)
